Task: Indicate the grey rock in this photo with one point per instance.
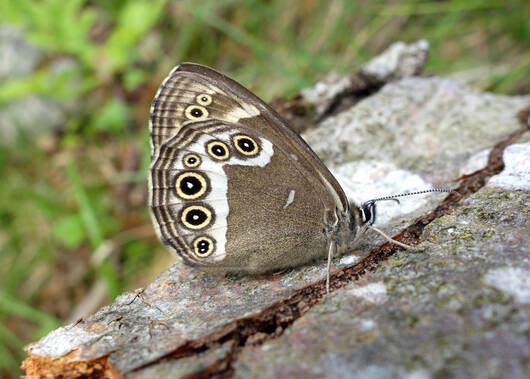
(456, 306)
(400, 60)
(181, 305)
(325, 91)
(31, 115)
(186, 366)
(18, 57)
(427, 125)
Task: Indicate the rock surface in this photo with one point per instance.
(456, 305)
(31, 115)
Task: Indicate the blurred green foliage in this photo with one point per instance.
(72, 202)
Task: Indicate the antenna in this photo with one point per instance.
(368, 209)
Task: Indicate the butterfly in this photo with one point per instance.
(233, 188)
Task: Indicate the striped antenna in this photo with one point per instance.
(368, 207)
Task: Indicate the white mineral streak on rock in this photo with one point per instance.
(373, 292)
(513, 280)
(516, 173)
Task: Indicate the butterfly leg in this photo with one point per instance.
(389, 239)
(331, 250)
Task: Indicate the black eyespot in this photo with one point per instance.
(218, 150)
(245, 145)
(196, 112)
(191, 160)
(196, 217)
(191, 185)
(203, 246)
(204, 99)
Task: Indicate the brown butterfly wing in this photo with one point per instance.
(178, 102)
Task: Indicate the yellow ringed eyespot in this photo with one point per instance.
(204, 99)
(191, 160)
(218, 150)
(191, 185)
(245, 145)
(203, 246)
(196, 217)
(196, 113)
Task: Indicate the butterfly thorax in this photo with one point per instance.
(346, 230)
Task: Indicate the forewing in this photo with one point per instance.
(194, 93)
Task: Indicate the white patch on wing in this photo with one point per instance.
(290, 199)
(250, 109)
(217, 197)
(245, 111)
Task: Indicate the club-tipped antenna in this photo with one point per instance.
(368, 209)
